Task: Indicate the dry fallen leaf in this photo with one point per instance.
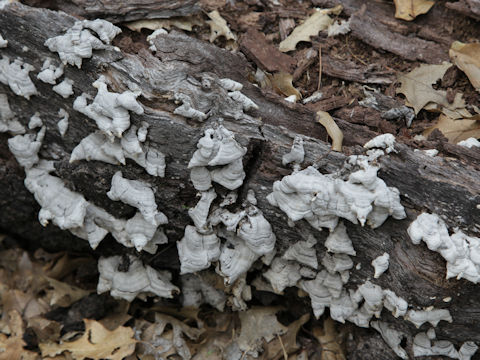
(282, 83)
(288, 341)
(410, 9)
(11, 347)
(467, 58)
(312, 26)
(183, 23)
(332, 128)
(417, 88)
(96, 343)
(219, 27)
(455, 130)
(329, 340)
(63, 294)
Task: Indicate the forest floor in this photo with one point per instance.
(372, 63)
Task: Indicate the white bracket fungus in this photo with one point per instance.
(15, 75)
(338, 241)
(197, 251)
(461, 252)
(296, 154)
(97, 146)
(424, 345)
(63, 122)
(50, 73)
(433, 316)
(63, 207)
(217, 147)
(236, 258)
(141, 232)
(25, 148)
(77, 43)
(35, 121)
(137, 281)
(65, 88)
(199, 213)
(137, 194)
(380, 264)
(303, 252)
(392, 337)
(8, 123)
(109, 110)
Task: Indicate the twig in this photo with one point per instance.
(285, 355)
(319, 68)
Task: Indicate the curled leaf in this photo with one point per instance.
(282, 83)
(312, 26)
(333, 130)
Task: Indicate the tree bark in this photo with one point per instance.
(445, 185)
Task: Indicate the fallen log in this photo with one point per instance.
(186, 73)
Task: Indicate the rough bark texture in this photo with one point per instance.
(446, 186)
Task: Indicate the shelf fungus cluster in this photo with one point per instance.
(234, 240)
(79, 42)
(461, 252)
(322, 199)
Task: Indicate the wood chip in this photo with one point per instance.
(256, 47)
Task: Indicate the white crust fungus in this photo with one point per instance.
(63, 122)
(392, 337)
(296, 154)
(461, 252)
(245, 101)
(380, 264)
(109, 110)
(384, 141)
(15, 75)
(78, 42)
(469, 143)
(65, 88)
(138, 281)
(8, 123)
(186, 109)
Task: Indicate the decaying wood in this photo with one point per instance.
(117, 11)
(442, 185)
